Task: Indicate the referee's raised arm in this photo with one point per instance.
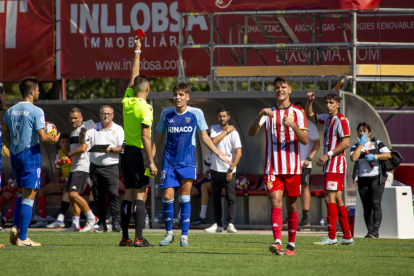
(135, 61)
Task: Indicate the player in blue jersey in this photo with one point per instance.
(181, 123)
(23, 126)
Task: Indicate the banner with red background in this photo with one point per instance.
(27, 40)
(97, 39)
(206, 6)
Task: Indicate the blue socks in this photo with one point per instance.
(185, 213)
(17, 206)
(26, 211)
(168, 210)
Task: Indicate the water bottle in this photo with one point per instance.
(146, 224)
(156, 224)
(322, 221)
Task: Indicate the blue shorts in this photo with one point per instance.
(170, 177)
(26, 168)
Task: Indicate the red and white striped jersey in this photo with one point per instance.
(335, 128)
(282, 145)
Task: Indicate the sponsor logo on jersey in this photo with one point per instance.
(180, 129)
(187, 119)
(171, 121)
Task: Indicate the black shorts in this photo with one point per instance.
(305, 177)
(134, 162)
(199, 183)
(77, 181)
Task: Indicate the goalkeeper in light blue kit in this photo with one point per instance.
(23, 126)
(179, 165)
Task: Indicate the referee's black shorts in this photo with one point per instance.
(134, 162)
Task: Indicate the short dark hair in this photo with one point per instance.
(223, 109)
(75, 109)
(365, 125)
(282, 80)
(299, 103)
(332, 96)
(65, 136)
(2, 89)
(27, 84)
(141, 82)
(106, 105)
(182, 86)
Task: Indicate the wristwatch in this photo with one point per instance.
(309, 159)
(111, 150)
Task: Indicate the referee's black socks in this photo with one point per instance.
(125, 217)
(139, 218)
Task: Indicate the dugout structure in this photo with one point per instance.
(243, 106)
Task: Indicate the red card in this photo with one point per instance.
(140, 33)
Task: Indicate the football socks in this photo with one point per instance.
(42, 206)
(26, 211)
(139, 218)
(89, 215)
(277, 223)
(10, 212)
(305, 214)
(3, 201)
(332, 217)
(293, 220)
(64, 206)
(203, 211)
(343, 220)
(76, 221)
(185, 213)
(125, 217)
(17, 206)
(168, 210)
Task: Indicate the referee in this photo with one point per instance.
(137, 156)
(104, 166)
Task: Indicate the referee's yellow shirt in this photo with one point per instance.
(136, 111)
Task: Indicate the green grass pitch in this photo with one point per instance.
(209, 254)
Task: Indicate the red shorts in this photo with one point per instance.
(289, 183)
(334, 181)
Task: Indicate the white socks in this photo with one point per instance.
(89, 215)
(76, 221)
(278, 241)
(61, 217)
(184, 238)
(170, 232)
(292, 244)
(203, 211)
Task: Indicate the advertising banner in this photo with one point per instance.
(27, 41)
(97, 39)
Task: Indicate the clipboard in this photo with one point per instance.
(97, 148)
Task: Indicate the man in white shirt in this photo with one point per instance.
(307, 153)
(104, 166)
(227, 140)
(78, 173)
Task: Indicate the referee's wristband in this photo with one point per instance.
(137, 51)
(330, 153)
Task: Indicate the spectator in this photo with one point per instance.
(227, 140)
(367, 155)
(307, 153)
(104, 166)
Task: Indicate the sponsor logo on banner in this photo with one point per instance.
(222, 4)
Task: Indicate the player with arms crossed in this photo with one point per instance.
(286, 127)
(24, 125)
(179, 165)
(336, 140)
